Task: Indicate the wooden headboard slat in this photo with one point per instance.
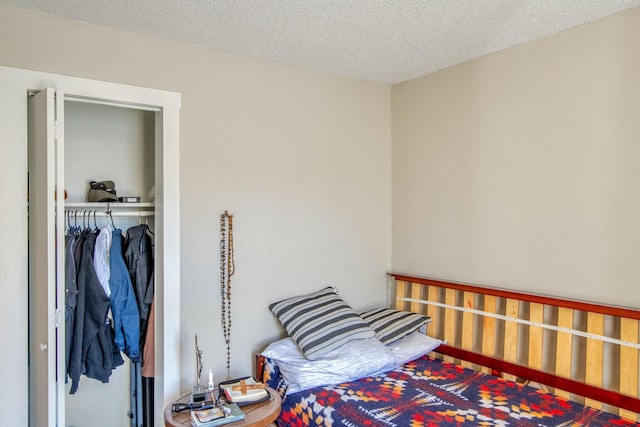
(489, 325)
(450, 329)
(595, 325)
(468, 325)
(564, 347)
(432, 312)
(536, 340)
(415, 294)
(629, 361)
(511, 332)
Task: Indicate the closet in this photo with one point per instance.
(81, 130)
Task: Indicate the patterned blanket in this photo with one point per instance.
(430, 392)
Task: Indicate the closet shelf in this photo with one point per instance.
(104, 206)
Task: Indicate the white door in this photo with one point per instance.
(50, 402)
(46, 236)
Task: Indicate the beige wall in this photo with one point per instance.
(301, 159)
(522, 169)
(517, 170)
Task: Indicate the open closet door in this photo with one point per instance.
(46, 232)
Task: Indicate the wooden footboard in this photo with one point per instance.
(581, 351)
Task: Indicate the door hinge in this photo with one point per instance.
(58, 318)
(56, 129)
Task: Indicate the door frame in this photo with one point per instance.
(13, 106)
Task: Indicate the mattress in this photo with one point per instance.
(430, 392)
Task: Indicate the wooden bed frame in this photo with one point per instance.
(584, 352)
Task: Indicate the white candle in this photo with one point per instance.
(210, 380)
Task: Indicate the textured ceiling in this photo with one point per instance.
(381, 40)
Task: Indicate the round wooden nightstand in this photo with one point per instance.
(258, 415)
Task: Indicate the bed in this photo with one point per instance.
(449, 353)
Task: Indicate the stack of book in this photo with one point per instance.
(244, 391)
(217, 416)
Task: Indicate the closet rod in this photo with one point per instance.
(90, 213)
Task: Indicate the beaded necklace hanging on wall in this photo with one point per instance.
(227, 268)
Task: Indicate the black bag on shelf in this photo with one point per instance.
(102, 191)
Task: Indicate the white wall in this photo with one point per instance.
(301, 159)
(13, 262)
(522, 169)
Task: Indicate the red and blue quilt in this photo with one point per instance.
(430, 392)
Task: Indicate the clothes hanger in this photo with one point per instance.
(95, 223)
(76, 229)
(149, 229)
(146, 223)
(110, 217)
(67, 224)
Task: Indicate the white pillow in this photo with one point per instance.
(412, 346)
(349, 362)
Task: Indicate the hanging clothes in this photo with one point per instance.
(102, 267)
(74, 306)
(101, 258)
(92, 352)
(138, 255)
(71, 295)
(74, 356)
(148, 352)
(124, 307)
(98, 285)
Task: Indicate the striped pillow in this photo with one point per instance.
(391, 325)
(320, 322)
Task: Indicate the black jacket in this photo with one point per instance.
(138, 255)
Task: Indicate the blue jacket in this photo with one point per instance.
(126, 317)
